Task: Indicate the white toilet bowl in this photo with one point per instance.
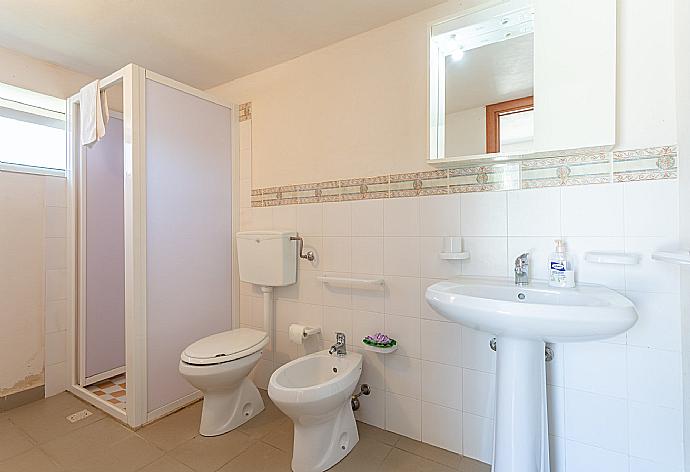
(315, 391)
(219, 366)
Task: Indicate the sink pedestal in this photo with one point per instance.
(521, 436)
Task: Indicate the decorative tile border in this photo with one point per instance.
(562, 169)
(245, 111)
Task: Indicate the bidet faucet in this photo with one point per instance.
(522, 269)
(339, 348)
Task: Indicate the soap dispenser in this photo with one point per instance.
(560, 268)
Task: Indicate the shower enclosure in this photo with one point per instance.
(153, 208)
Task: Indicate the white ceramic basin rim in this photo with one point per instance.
(535, 311)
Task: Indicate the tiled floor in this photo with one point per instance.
(38, 438)
(113, 390)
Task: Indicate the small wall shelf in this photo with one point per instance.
(454, 256)
(354, 282)
(621, 258)
(681, 257)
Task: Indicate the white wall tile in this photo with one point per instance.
(365, 323)
(55, 191)
(55, 379)
(650, 275)
(55, 347)
(286, 350)
(401, 256)
(373, 368)
(534, 212)
(654, 376)
(477, 437)
(262, 373)
(484, 214)
(442, 427)
(651, 208)
(366, 299)
(367, 218)
(309, 288)
(555, 368)
(442, 384)
(56, 285)
(596, 420)
(479, 393)
(488, 257)
(592, 210)
(314, 244)
(405, 330)
(658, 325)
(310, 219)
(476, 353)
(440, 215)
(246, 163)
(403, 375)
(339, 295)
(245, 193)
(285, 218)
(256, 218)
(367, 255)
(258, 312)
(539, 249)
(401, 217)
(338, 320)
(373, 409)
(441, 342)
(402, 296)
(55, 253)
(583, 458)
(596, 367)
(56, 222)
(431, 263)
(610, 275)
(337, 219)
(246, 310)
(245, 134)
(337, 254)
(404, 415)
(656, 434)
(56, 315)
(644, 465)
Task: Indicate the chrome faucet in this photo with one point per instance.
(339, 347)
(522, 269)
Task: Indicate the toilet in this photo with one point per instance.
(315, 392)
(219, 365)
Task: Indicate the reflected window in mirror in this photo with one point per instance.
(482, 82)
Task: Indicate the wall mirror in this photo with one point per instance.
(482, 83)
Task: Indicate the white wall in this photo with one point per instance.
(466, 132)
(33, 251)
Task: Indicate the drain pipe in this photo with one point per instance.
(354, 401)
(268, 318)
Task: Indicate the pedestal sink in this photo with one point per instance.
(524, 318)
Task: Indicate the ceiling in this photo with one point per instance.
(490, 74)
(200, 42)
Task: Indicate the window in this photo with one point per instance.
(32, 131)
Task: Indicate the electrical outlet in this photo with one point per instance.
(78, 416)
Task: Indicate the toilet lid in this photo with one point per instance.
(225, 346)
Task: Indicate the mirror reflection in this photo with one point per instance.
(485, 74)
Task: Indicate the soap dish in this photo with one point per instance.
(380, 343)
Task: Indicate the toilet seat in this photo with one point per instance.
(225, 347)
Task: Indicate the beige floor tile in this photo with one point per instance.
(128, 455)
(430, 452)
(13, 441)
(368, 432)
(471, 465)
(260, 457)
(263, 423)
(403, 461)
(33, 460)
(281, 436)
(87, 443)
(166, 464)
(208, 454)
(367, 455)
(46, 419)
(175, 429)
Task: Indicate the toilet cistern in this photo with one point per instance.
(522, 269)
(339, 348)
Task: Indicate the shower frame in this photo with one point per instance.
(133, 79)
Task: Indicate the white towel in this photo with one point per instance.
(93, 106)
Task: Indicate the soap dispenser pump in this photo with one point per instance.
(560, 269)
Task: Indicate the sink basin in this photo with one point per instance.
(523, 318)
(535, 311)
